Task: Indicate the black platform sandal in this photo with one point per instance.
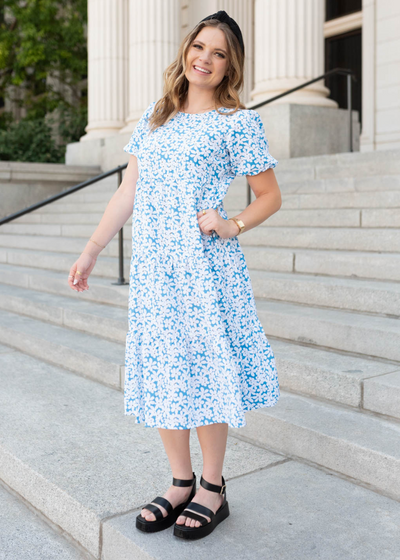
(206, 527)
(162, 522)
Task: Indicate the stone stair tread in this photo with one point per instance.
(71, 453)
(361, 239)
(330, 419)
(359, 445)
(51, 260)
(342, 317)
(54, 301)
(59, 243)
(70, 450)
(307, 370)
(24, 535)
(362, 295)
(339, 377)
(343, 330)
(68, 338)
(101, 289)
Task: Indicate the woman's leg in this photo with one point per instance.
(212, 439)
(176, 444)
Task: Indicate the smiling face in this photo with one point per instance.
(207, 58)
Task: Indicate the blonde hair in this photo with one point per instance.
(176, 84)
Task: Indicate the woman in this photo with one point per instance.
(196, 353)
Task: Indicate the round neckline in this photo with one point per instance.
(204, 113)
(198, 114)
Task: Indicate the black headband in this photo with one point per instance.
(224, 18)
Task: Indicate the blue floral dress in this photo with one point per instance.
(196, 352)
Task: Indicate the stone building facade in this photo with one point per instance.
(288, 42)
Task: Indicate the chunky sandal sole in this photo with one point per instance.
(193, 533)
(194, 509)
(159, 524)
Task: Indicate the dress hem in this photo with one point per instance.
(222, 421)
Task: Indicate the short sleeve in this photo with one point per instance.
(140, 132)
(247, 144)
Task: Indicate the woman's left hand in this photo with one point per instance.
(212, 221)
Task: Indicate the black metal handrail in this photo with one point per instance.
(350, 76)
(120, 168)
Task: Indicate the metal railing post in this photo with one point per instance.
(121, 279)
(349, 105)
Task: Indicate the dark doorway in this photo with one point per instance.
(339, 8)
(344, 51)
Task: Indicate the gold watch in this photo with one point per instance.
(239, 223)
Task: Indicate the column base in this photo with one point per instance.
(295, 130)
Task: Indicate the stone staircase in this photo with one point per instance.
(325, 272)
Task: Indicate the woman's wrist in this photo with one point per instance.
(93, 248)
(235, 229)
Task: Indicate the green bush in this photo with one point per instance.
(30, 140)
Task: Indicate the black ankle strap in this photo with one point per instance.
(183, 482)
(213, 487)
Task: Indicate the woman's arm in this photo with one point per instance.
(115, 216)
(268, 201)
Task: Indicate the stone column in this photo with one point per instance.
(289, 50)
(107, 67)
(153, 45)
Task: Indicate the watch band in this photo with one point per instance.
(239, 224)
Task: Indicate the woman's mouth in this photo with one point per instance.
(199, 70)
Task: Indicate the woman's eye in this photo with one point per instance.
(220, 54)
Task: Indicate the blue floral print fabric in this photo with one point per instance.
(196, 352)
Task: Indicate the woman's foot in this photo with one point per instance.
(206, 498)
(175, 495)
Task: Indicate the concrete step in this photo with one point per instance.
(290, 184)
(61, 244)
(347, 239)
(360, 264)
(23, 534)
(378, 266)
(61, 219)
(101, 290)
(346, 164)
(52, 230)
(339, 293)
(389, 199)
(305, 369)
(365, 384)
(381, 218)
(61, 262)
(358, 445)
(82, 353)
(367, 296)
(92, 483)
(342, 200)
(106, 321)
(362, 334)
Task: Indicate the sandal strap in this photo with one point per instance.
(183, 482)
(156, 510)
(164, 503)
(213, 487)
(200, 509)
(192, 515)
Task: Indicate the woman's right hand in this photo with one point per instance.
(85, 265)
